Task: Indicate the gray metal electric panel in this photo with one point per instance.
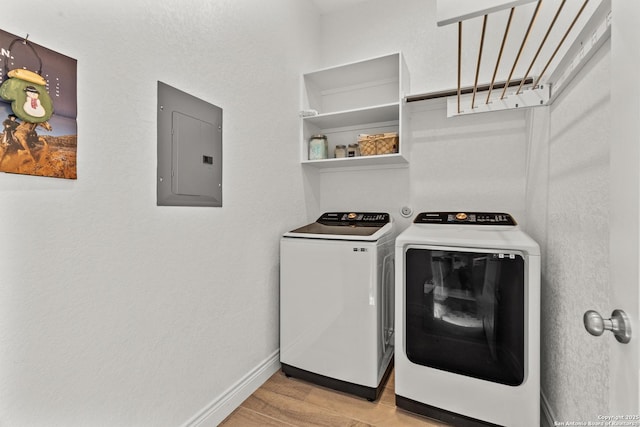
(189, 150)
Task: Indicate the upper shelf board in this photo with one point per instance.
(371, 70)
(452, 11)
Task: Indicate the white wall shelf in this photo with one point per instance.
(364, 97)
(349, 162)
(340, 119)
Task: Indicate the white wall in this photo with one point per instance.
(624, 220)
(116, 312)
(548, 166)
(381, 26)
(568, 210)
(467, 163)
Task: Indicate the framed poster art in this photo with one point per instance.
(38, 109)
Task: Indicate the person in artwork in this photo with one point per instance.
(9, 125)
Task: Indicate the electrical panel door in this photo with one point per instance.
(189, 150)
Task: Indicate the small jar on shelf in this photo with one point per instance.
(353, 150)
(318, 147)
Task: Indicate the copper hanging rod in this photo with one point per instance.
(544, 39)
(504, 40)
(524, 42)
(561, 41)
(459, 61)
(475, 84)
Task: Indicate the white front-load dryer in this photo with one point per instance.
(468, 320)
(336, 302)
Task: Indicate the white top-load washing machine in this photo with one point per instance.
(468, 320)
(336, 301)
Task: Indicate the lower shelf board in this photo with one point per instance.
(347, 162)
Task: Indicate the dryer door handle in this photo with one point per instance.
(387, 298)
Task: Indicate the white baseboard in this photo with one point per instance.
(547, 418)
(214, 413)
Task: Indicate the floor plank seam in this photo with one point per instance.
(268, 416)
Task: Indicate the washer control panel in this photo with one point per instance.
(470, 218)
(361, 219)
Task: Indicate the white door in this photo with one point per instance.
(625, 198)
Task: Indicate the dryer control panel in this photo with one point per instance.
(360, 219)
(470, 218)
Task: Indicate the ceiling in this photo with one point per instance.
(329, 6)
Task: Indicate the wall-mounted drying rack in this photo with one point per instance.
(527, 91)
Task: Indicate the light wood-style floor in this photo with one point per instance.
(283, 401)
